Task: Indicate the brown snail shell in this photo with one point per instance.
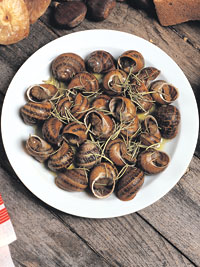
(122, 109)
(51, 130)
(87, 155)
(100, 61)
(63, 105)
(102, 179)
(66, 66)
(153, 161)
(131, 60)
(148, 74)
(38, 148)
(84, 81)
(72, 180)
(113, 82)
(165, 93)
(131, 128)
(116, 151)
(102, 125)
(130, 183)
(151, 134)
(145, 100)
(33, 112)
(168, 118)
(80, 107)
(62, 158)
(101, 102)
(75, 133)
(41, 92)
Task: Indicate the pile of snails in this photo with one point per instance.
(93, 135)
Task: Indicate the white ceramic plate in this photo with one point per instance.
(40, 181)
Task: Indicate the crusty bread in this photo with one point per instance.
(171, 12)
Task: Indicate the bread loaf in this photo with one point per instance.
(171, 12)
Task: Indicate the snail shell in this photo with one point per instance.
(87, 155)
(101, 102)
(41, 92)
(130, 183)
(165, 93)
(75, 133)
(33, 112)
(151, 134)
(145, 100)
(122, 109)
(113, 82)
(100, 61)
(38, 148)
(131, 128)
(168, 118)
(64, 104)
(72, 180)
(66, 66)
(153, 161)
(131, 60)
(102, 125)
(84, 81)
(80, 107)
(62, 158)
(102, 179)
(148, 74)
(51, 130)
(116, 151)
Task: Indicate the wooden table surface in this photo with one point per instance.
(166, 233)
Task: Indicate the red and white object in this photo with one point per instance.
(7, 236)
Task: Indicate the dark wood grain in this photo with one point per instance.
(165, 234)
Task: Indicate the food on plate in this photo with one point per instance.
(101, 122)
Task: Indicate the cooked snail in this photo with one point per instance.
(51, 130)
(80, 107)
(102, 179)
(122, 109)
(153, 161)
(168, 118)
(72, 180)
(130, 183)
(113, 82)
(101, 125)
(116, 151)
(63, 105)
(66, 66)
(163, 92)
(62, 158)
(75, 133)
(88, 154)
(148, 74)
(32, 112)
(41, 92)
(144, 100)
(38, 148)
(131, 128)
(131, 61)
(101, 102)
(151, 134)
(100, 61)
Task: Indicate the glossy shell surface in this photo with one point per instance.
(51, 130)
(131, 60)
(75, 133)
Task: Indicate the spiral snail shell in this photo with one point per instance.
(163, 92)
(168, 118)
(153, 161)
(41, 92)
(151, 134)
(66, 66)
(131, 128)
(144, 100)
(100, 61)
(87, 155)
(72, 180)
(101, 125)
(75, 133)
(84, 81)
(113, 82)
(51, 130)
(130, 183)
(32, 112)
(80, 107)
(101, 102)
(63, 105)
(102, 179)
(116, 151)
(122, 108)
(148, 74)
(62, 158)
(38, 148)
(131, 60)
